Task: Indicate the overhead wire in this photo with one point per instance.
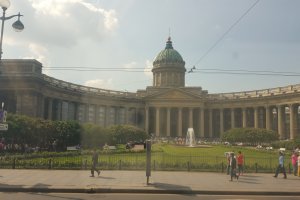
(198, 70)
(223, 35)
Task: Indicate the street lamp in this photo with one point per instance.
(18, 25)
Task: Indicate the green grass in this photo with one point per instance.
(163, 157)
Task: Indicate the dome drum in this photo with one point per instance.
(168, 68)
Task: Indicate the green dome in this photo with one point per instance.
(168, 55)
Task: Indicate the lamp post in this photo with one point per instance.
(17, 25)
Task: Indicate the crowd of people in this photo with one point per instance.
(235, 164)
(295, 160)
(26, 148)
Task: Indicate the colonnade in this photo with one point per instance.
(103, 115)
(213, 122)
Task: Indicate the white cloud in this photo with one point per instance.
(52, 7)
(59, 8)
(131, 65)
(148, 68)
(38, 52)
(100, 83)
(110, 19)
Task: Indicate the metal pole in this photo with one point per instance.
(2, 29)
(148, 160)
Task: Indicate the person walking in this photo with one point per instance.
(298, 164)
(294, 162)
(227, 155)
(233, 172)
(280, 166)
(240, 162)
(94, 163)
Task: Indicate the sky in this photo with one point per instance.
(111, 44)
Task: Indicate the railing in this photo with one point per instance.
(137, 161)
(219, 96)
(256, 93)
(85, 89)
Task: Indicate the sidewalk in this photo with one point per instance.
(136, 182)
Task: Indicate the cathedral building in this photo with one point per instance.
(165, 109)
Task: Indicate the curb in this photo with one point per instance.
(146, 191)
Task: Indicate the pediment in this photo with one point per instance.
(174, 94)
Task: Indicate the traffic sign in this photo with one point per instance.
(3, 127)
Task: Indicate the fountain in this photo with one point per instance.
(190, 138)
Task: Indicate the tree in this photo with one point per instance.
(94, 135)
(122, 134)
(251, 136)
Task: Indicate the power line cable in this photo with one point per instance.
(243, 73)
(198, 70)
(224, 34)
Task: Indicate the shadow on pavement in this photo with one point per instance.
(6, 187)
(167, 186)
(41, 185)
(105, 177)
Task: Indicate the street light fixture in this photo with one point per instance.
(18, 25)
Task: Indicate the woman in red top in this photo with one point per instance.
(294, 162)
(240, 162)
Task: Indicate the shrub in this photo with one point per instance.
(252, 136)
(122, 134)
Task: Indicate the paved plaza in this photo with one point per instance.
(136, 182)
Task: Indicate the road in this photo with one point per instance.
(112, 196)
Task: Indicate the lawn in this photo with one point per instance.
(163, 157)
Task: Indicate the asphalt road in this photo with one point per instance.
(110, 196)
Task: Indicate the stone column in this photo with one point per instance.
(157, 124)
(202, 130)
(168, 122)
(244, 110)
(210, 123)
(292, 122)
(280, 122)
(190, 118)
(147, 120)
(179, 121)
(42, 108)
(50, 105)
(19, 104)
(268, 122)
(255, 117)
(221, 121)
(232, 118)
(96, 107)
(106, 117)
(59, 109)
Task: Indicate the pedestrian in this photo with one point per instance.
(233, 164)
(94, 163)
(298, 164)
(227, 155)
(240, 162)
(280, 166)
(294, 162)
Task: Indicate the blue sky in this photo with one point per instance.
(128, 34)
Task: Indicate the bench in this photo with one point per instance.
(72, 148)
